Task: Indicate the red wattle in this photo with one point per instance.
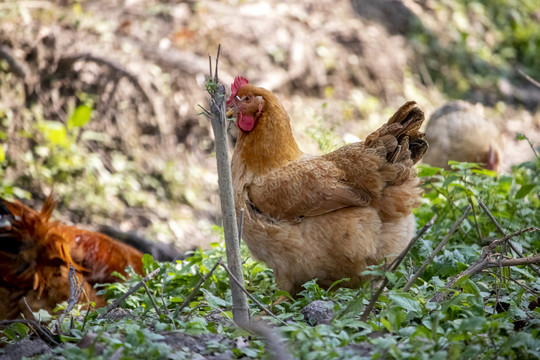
(245, 123)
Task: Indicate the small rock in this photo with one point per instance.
(116, 314)
(318, 312)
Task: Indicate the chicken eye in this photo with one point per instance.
(246, 98)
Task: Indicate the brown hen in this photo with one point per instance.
(459, 131)
(35, 254)
(324, 217)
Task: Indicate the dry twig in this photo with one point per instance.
(74, 294)
(393, 266)
(17, 68)
(529, 78)
(503, 233)
(259, 304)
(487, 261)
(197, 287)
(68, 61)
(34, 325)
(134, 288)
(151, 299)
(437, 249)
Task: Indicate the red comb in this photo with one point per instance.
(239, 81)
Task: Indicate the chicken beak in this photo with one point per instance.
(230, 113)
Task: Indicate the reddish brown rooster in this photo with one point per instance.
(324, 217)
(35, 254)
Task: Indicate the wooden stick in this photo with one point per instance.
(437, 249)
(230, 225)
(151, 299)
(197, 287)
(485, 261)
(395, 264)
(503, 233)
(35, 325)
(74, 293)
(134, 288)
(259, 304)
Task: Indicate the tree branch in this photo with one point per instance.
(134, 288)
(259, 304)
(74, 293)
(230, 226)
(486, 261)
(395, 264)
(437, 249)
(503, 233)
(68, 61)
(198, 286)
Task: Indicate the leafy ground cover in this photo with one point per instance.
(185, 312)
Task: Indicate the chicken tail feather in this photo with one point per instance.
(401, 135)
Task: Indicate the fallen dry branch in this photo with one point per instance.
(17, 67)
(486, 260)
(529, 78)
(197, 287)
(437, 249)
(503, 233)
(259, 304)
(48, 336)
(75, 292)
(67, 62)
(393, 266)
(151, 299)
(134, 288)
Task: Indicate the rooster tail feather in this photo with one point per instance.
(48, 207)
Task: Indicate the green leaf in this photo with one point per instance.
(449, 180)
(279, 293)
(456, 165)
(80, 116)
(213, 300)
(524, 190)
(16, 331)
(486, 172)
(337, 282)
(406, 301)
(473, 323)
(42, 315)
(147, 261)
(54, 131)
(427, 171)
